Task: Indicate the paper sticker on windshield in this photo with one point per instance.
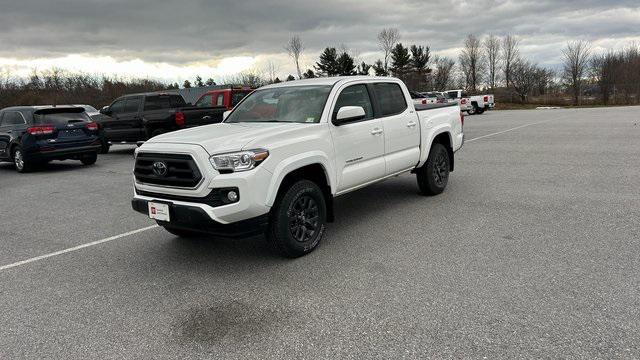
(311, 119)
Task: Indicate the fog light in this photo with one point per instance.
(232, 196)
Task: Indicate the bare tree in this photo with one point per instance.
(510, 55)
(576, 60)
(295, 47)
(387, 40)
(271, 70)
(492, 52)
(472, 62)
(443, 73)
(524, 78)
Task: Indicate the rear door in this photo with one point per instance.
(400, 123)
(359, 145)
(69, 127)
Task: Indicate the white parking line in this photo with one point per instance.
(504, 131)
(76, 248)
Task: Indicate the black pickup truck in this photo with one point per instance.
(139, 117)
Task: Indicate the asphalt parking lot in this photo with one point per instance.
(533, 251)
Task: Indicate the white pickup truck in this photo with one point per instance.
(281, 155)
(475, 104)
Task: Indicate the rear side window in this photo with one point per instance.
(390, 97)
(355, 95)
(220, 100)
(157, 103)
(12, 118)
(132, 105)
(177, 101)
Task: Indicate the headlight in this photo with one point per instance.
(238, 161)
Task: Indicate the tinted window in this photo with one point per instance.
(453, 94)
(220, 100)
(117, 107)
(133, 104)
(237, 96)
(204, 101)
(177, 101)
(355, 95)
(12, 118)
(157, 103)
(60, 118)
(390, 98)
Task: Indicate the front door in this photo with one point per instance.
(359, 146)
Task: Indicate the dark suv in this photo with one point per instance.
(32, 135)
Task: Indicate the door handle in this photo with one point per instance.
(206, 117)
(411, 124)
(376, 131)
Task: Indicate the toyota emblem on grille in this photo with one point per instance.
(160, 168)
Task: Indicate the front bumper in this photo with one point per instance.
(194, 218)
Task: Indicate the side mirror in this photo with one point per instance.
(105, 110)
(225, 115)
(348, 114)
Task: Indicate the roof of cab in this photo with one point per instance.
(327, 81)
(40, 107)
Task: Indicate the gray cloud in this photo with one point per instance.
(194, 30)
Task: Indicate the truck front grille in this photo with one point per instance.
(175, 170)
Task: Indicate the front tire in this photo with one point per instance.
(433, 176)
(298, 220)
(104, 146)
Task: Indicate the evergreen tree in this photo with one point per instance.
(277, 80)
(198, 81)
(186, 84)
(290, 78)
(346, 65)
(363, 69)
(378, 67)
(210, 82)
(420, 57)
(400, 61)
(328, 64)
(309, 74)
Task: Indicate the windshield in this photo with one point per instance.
(299, 104)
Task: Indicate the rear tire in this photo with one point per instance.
(472, 111)
(104, 146)
(479, 111)
(298, 220)
(180, 232)
(22, 165)
(433, 176)
(89, 159)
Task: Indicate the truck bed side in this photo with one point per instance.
(437, 119)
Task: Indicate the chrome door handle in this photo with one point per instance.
(206, 117)
(411, 124)
(376, 131)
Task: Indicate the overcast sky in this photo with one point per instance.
(174, 40)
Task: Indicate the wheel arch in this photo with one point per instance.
(315, 171)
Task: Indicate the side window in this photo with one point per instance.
(118, 107)
(391, 98)
(204, 101)
(355, 95)
(132, 105)
(156, 103)
(177, 101)
(220, 100)
(13, 118)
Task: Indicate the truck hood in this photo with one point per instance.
(226, 137)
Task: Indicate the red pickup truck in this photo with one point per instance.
(223, 97)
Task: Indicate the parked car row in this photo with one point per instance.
(34, 135)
